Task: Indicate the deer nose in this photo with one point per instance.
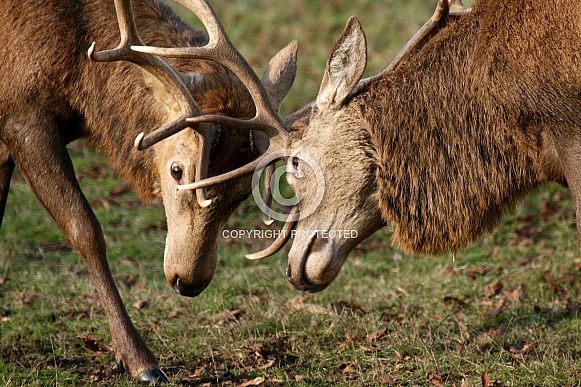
(299, 283)
(188, 290)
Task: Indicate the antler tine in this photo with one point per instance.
(214, 180)
(416, 41)
(444, 7)
(156, 66)
(280, 241)
(169, 77)
(267, 192)
(221, 50)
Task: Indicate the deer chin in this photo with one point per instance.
(315, 261)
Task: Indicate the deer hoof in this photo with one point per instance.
(154, 376)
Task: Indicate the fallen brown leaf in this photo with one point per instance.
(377, 335)
(516, 295)
(555, 287)
(293, 377)
(140, 305)
(476, 272)
(498, 306)
(257, 381)
(228, 316)
(93, 344)
(493, 288)
(486, 382)
(454, 301)
(178, 311)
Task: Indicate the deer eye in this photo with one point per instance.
(294, 167)
(176, 171)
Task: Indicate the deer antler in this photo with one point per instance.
(420, 38)
(283, 236)
(221, 50)
(171, 79)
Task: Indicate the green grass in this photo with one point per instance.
(388, 319)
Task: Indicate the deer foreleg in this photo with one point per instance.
(6, 169)
(43, 160)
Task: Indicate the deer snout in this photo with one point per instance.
(308, 263)
(188, 289)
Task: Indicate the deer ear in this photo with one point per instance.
(160, 93)
(345, 66)
(280, 73)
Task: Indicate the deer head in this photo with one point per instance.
(194, 218)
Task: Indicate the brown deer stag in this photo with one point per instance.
(52, 93)
(476, 112)
(446, 141)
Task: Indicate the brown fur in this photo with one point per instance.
(51, 93)
(463, 129)
(487, 110)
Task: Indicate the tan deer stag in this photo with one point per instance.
(475, 113)
(52, 93)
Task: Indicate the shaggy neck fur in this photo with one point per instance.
(463, 129)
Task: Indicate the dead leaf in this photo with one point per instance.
(435, 378)
(140, 305)
(486, 382)
(465, 383)
(120, 190)
(498, 306)
(454, 301)
(177, 312)
(257, 381)
(228, 316)
(97, 376)
(350, 368)
(377, 335)
(293, 377)
(476, 272)
(555, 287)
(450, 270)
(342, 306)
(493, 288)
(93, 344)
(516, 295)
(268, 364)
(28, 298)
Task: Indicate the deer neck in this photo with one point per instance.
(452, 159)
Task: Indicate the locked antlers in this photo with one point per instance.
(219, 49)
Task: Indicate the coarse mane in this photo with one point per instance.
(460, 128)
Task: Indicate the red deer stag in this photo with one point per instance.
(475, 113)
(53, 93)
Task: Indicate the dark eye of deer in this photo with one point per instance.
(176, 171)
(295, 165)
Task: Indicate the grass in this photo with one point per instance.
(506, 310)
